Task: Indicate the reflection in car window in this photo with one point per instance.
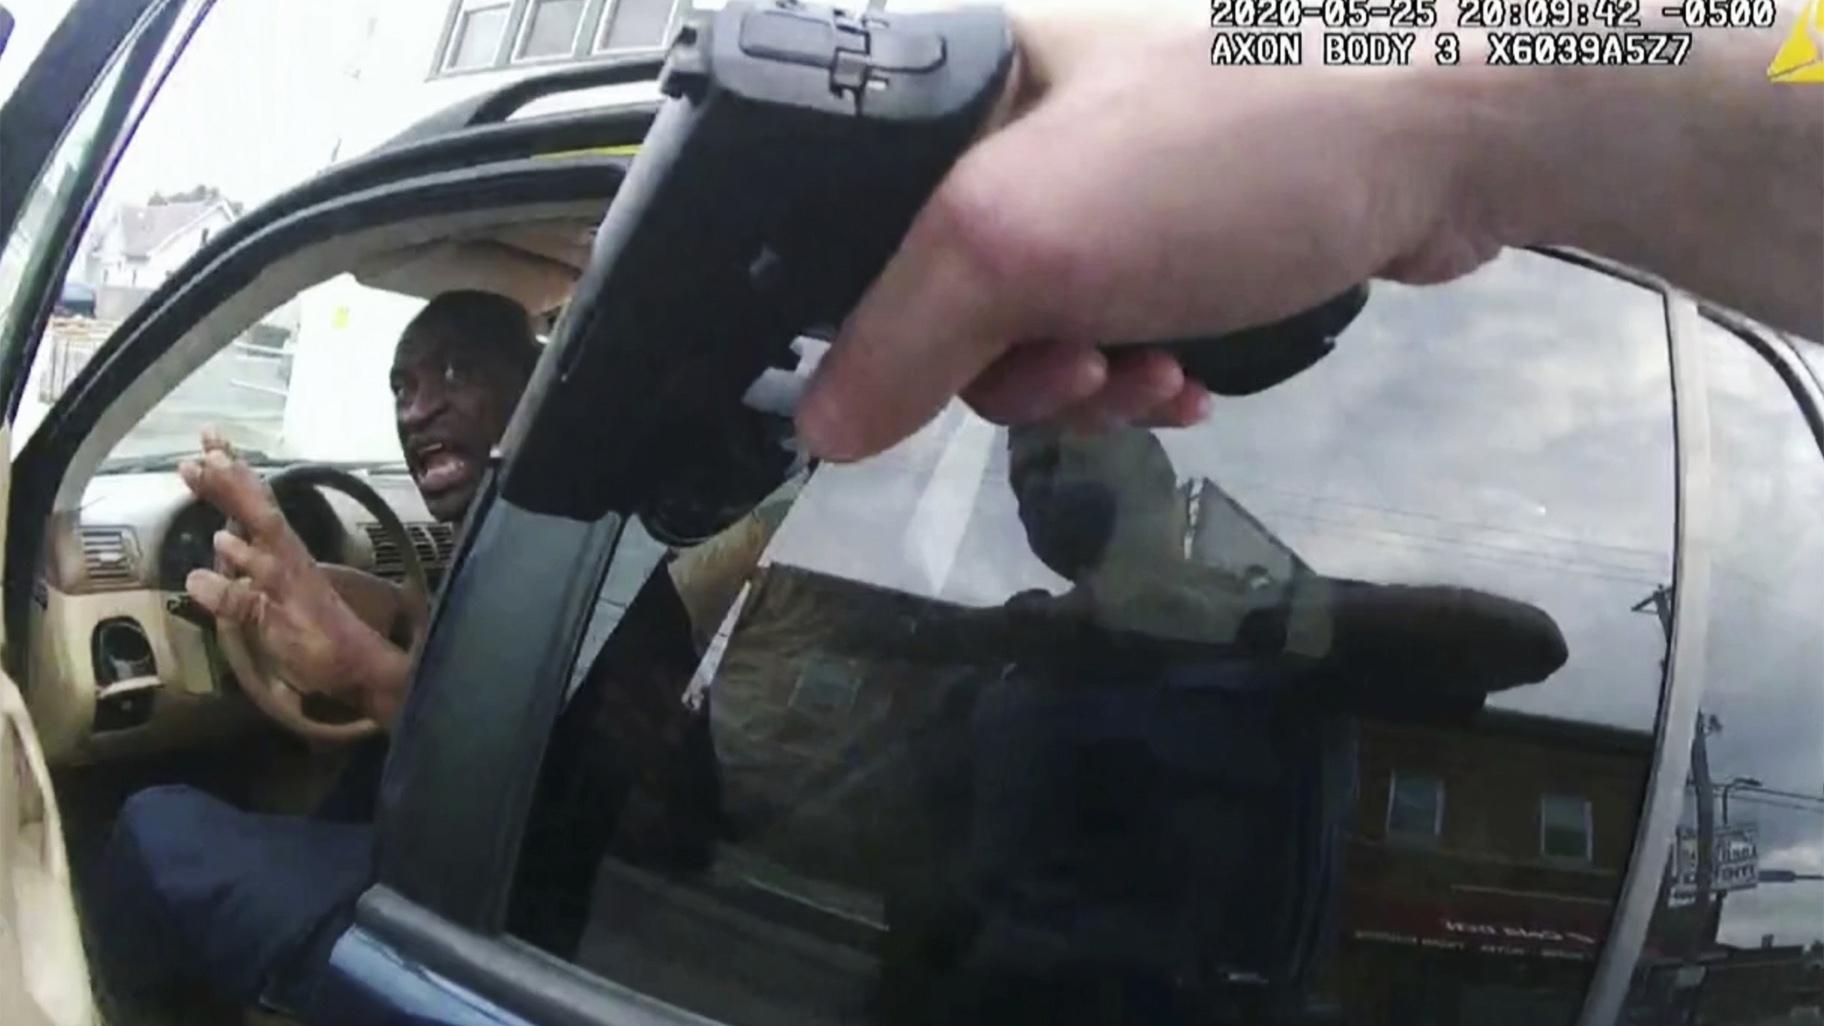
(1749, 948)
(1047, 727)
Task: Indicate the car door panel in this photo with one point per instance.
(61, 134)
(44, 978)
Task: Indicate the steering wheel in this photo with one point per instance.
(398, 612)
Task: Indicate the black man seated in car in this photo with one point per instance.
(201, 895)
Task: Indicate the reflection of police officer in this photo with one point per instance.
(1157, 785)
(1151, 823)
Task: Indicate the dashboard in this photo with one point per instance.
(123, 662)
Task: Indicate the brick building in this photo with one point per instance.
(1483, 865)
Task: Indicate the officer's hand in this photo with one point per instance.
(1139, 194)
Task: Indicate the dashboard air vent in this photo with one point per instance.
(389, 562)
(107, 555)
(434, 542)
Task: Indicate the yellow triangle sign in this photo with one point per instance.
(1801, 57)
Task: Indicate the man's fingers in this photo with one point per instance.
(232, 487)
(1036, 381)
(247, 560)
(237, 601)
(215, 441)
(208, 588)
(243, 603)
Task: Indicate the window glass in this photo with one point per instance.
(1415, 805)
(1738, 939)
(28, 246)
(1038, 726)
(1564, 826)
(308, 381)
(475, 39)
(634, 24)
(202, 157)
(551, 27)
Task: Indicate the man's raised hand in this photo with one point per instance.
(268, 582)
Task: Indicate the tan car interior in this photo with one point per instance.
(128, 685)
(117, 670)
(127, 688)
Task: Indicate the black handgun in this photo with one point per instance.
(795, 147)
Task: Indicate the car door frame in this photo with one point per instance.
(1687, 660)
(144, 55)
(484, 159)
(128, 49)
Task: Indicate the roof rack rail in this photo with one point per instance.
(500, 104)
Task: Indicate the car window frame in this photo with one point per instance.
(264, 237)
(148, 51)
(1687, 671)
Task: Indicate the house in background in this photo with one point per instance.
(137, 246)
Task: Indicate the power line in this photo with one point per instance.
(1654, 554)
(1531, 560)
(1770, 803)
(1801, 796)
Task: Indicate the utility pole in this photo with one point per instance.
(1703, 932)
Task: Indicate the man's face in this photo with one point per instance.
(452, 395)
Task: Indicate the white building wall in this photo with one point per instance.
(166, 259)
(391, 86)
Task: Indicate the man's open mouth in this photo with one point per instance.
(440, 467)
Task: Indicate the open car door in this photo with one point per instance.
(63, 132)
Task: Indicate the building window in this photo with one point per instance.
(1415, 806)
(550, 29)
(634, 24)
(475, 35)
(1564, 827)
(477, 32)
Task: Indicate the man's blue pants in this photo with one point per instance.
(197, 892)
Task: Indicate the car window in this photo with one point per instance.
(1335, 708)
(28, 246)
(308, 381)
(205, 154)
(1751, 949)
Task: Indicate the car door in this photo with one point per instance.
(63, 130)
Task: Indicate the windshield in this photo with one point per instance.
(307, 382)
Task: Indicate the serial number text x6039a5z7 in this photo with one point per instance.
(1588, 49)
(1505, 49)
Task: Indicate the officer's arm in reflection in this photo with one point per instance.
(1105, 511)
